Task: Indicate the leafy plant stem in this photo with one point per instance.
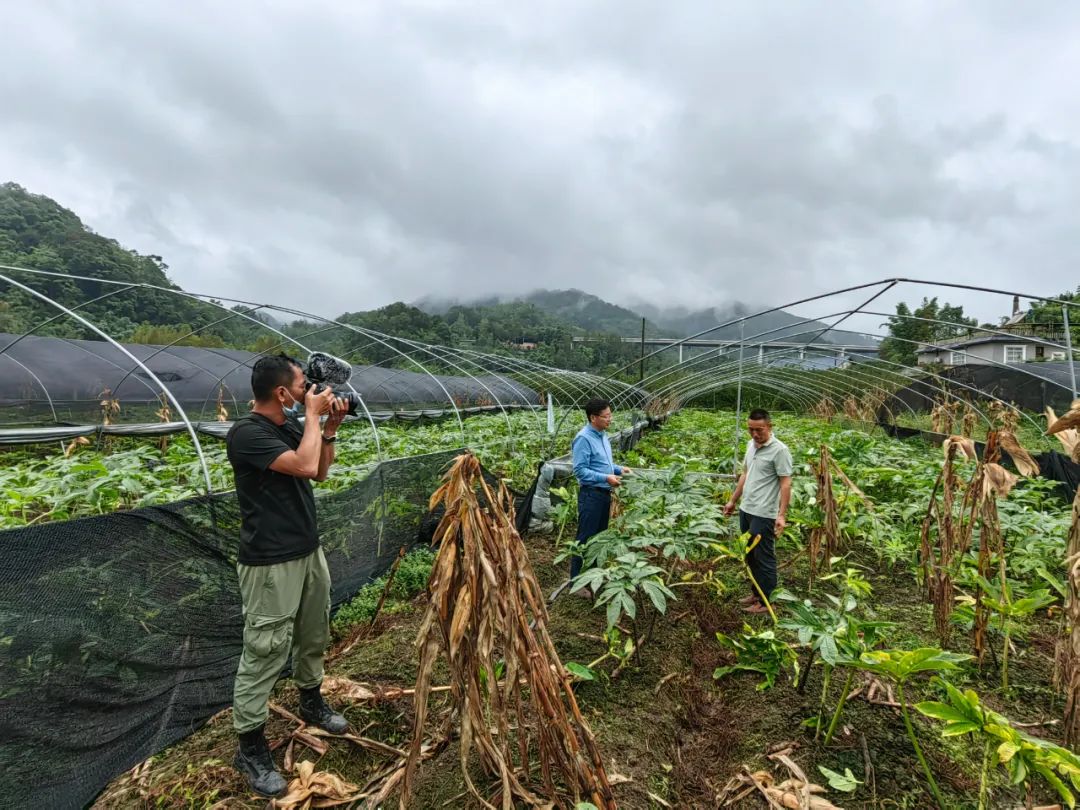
(915, 745)
(1006, 625)
(1005, 660)
(984, 774)
(821, 703)
(806, 672)
(839, 706)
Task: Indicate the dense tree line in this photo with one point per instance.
(38, 233)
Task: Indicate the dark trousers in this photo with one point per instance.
(762, 558)
(593, 513)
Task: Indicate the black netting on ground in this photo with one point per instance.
(1033, 388)
(119, 634)
(39, 375)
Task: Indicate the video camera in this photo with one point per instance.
(326, 371)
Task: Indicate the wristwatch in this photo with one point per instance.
(329, 439)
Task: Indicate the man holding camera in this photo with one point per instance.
(284, 579)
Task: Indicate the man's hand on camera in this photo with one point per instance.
(338, 408)
(317, 404)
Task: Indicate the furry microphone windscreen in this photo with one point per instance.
(328, 369)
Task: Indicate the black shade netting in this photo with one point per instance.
(1033, 387)
(1053, 465)
(48, 379)
(120, 634)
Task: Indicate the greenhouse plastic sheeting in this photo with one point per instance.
(120, 634)
(70, 375)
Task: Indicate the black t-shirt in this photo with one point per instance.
(277, 510)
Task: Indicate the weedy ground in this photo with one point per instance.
(671, 735)
(667, 730)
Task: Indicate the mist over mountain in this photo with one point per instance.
(590, 313)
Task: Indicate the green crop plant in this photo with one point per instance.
(899, 667)
(757, 651)
(1021, 754)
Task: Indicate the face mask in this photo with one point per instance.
(292, 410)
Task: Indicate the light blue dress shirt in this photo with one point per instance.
(593, 461)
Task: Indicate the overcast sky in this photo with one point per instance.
(340, 156)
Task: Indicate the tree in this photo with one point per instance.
(929, 323)
(180, 335)
(1046, 313)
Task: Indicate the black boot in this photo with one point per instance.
(253, 760)
(314, 710)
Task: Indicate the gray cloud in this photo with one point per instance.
(336, 158)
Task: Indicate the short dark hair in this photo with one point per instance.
(271, 371)
(760, 415)
(596, 406)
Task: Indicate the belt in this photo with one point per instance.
(591, 486)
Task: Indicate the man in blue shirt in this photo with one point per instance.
(597, 475)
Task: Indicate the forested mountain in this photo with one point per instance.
(593, 314)
(38, 233)
(588, 313)
(583, 312)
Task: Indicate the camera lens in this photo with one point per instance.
(354, 402)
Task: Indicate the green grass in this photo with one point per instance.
(411, 578)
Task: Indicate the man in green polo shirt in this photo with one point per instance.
(766, 484)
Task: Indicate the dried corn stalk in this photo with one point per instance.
(870, 405)
(222, 412)
(991, 481)
(76, 443)
(823, 408)
(969, 422)
(483, 596)
(989, 541)
(827, 533)
(961, 443)
(941, 418)
(164, 414)
(1066, 429)
(1004, 416)
(110, 407)
(1025, 463)
(658, 406)
(940, 550)
(827, 536)
(1068, 653)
